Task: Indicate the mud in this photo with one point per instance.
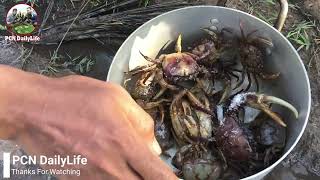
(313, 7)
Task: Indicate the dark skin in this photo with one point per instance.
(79, 115)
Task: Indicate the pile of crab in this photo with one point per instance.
(202, 103)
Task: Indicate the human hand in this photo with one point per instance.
(78, 115)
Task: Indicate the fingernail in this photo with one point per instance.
(156, 147)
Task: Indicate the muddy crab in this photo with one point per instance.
(196, 163)
(189, 123)
(231, 137)
(191, 95)
(253, 51)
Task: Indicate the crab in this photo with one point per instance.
(269, 138)
(162, 130)
(196, 163)
(190, 117)
(188, 94)
(171, 70)
(253, 51)
(230, 136)
(178, 66)
(218, 56)
(142, 86)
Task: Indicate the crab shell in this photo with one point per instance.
(179, 66)
(232, 140)
(197, 164)
(201, 169)
(144, 88)
(271, 133)
(187, 122)
(183, 123)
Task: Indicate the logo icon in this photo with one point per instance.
(21, 19)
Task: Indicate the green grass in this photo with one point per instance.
(268, 20)
(2, 27)
(256, 8)
(79, 64)
(272, 2)
(52, 68)
(94, 3)
(144, 3)
(23, 29)
(299, 34)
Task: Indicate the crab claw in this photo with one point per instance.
(178, 44)
(262, 42)
(261, 101)
(210, 32)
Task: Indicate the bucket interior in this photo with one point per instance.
(292, 85)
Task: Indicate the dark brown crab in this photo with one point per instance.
(253, 50)
(217, 53)
(230, 137)
(269, 139)
(179, 66)
(170, 69)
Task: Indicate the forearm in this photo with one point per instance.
(20, 94)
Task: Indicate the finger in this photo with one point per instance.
(144, 125)
(141, 121)
(155, 147)
(35, 142)
(147, 164)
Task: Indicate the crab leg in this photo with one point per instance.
(269, 76)
(210, 33)
(282, 102)
(256, 82)
(249, 80)
(272, 115)
(142, 69)
(197, 103)
(150, 59)
(262, 41)
(241, 81)
(226, 92)
(151, 105)
(189, 121)
(177, 122)
(260, 101)
(164, 85)
(234, 75)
